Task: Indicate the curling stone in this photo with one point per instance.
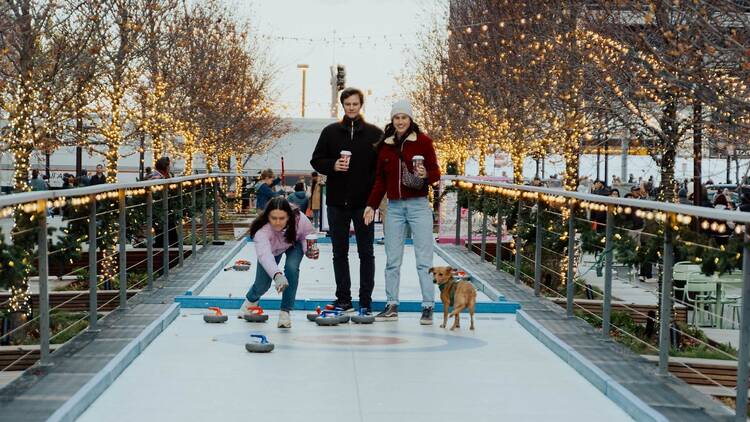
(239, 265)
(215, 318)
(242, 265)
(362, 318)
(328, 318)
(259, 344)
(314, 315)
(343, 318)
(256, 315)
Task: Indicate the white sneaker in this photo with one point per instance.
(243, 309)
(285, 321)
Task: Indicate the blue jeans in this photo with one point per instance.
(291, 271)
(416, 214)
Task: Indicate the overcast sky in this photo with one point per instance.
(371, 63)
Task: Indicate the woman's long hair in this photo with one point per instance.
(278, 203)
(390, 130)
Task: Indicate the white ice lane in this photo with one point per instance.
(385, 371)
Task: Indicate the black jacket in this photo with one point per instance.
(97, 180)
(350, 188)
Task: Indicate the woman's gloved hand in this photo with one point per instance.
(280, 281)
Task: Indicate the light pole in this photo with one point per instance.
(304, 68)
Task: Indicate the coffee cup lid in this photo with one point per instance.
(346, 152)
(417, 157)
(311, 237)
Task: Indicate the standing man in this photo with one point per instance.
(98, 178)
(349, 182)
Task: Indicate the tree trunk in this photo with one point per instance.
(669, 152)
(572, 157)
(517, 160)
(21, 153)
(16, 320)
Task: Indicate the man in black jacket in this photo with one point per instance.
(99, 178)
(349, 183)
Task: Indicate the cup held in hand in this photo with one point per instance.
(346, 156)
(417, 161)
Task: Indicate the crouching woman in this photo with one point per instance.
(279, 230)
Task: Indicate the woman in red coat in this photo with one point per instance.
(407, 165)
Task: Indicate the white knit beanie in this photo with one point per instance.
(402, 106)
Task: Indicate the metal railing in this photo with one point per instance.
(108, 215)
(530, 206)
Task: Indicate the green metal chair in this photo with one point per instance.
(699, 294)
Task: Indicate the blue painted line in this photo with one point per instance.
(352, 240)
(202, 302)
(621, 396)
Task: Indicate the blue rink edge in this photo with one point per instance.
(202, 302)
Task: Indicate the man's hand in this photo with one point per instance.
(368, 216)
(421, 172)
(341, 165)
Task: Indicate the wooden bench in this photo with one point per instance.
(704, 372)
(639, 313)
(135, 258)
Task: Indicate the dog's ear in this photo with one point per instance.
(450, 269)
(432, 270)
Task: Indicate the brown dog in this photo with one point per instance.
(459, 294)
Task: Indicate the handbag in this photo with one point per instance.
(409, 179)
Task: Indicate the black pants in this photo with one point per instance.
(339, 219)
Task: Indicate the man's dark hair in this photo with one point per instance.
(299, 187)
(314, 174)
(84, 172)
(348, 92)
(34, 173)
(162, 164)
(99, 165)
(148, 169)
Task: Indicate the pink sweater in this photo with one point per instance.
(270, 243)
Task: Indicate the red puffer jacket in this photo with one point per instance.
(388, 174)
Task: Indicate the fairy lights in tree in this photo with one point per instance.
(568, 74)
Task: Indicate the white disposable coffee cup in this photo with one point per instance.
(417, 161)
(346, 155)
(312, 241)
